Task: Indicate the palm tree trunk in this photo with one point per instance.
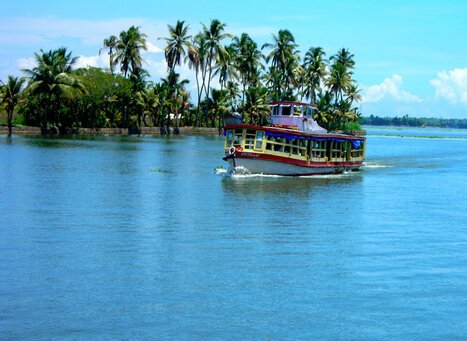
(10, 125)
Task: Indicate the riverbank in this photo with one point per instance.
(113, 131)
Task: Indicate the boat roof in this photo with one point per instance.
(275, 103)
(293, 131)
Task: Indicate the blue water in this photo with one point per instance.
(126, 237)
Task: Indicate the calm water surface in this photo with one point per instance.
(139, 238)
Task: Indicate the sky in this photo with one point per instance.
(411, 56)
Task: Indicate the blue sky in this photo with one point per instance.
(411, 56)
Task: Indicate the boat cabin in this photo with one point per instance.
(294, 115)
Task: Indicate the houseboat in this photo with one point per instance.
(292, 144)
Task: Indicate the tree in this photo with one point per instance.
(213, 37)
(111, 44)
(314, 72)
(225, 67)
(232, 94)
(197, 53)
(177, 45)
(256, 105)
(284, 60)
(51, 81)
(339, 80)
(11, 97)
(344, 57)
(128, 50)
(103, 104)
(217, 107)
(323, 113)
(247, 60)
(174, 87)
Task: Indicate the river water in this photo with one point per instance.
(129, 237)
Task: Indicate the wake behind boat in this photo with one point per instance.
(293, 144)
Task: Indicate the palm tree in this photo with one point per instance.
(161, 95)
(177, 44)
(52, 81)
(284, 59)
(174, 87)
(111, 44)
(213, 37)
(315, 71)
(218, 107)
(128, 50)
(11, 97)
(323, 113)
(247, 62)
(344, 57)
(225, 67)
(232, 94)
(339, 80)
(197, 53)
(256, 104)
(353, 93)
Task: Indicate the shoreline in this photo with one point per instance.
(112, 131)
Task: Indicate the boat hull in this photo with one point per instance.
(276, 167)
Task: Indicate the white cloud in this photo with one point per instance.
(152, 48)
(26, 63)
(93, 61)
(451, 85)
(389, 89)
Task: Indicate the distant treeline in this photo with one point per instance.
(415, 122)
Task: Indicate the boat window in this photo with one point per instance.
(286, 110)
(259, 139)
(237, 140)
(357, 153)
(297, 110)
(229, 138)
(275, 110)
(318, 149)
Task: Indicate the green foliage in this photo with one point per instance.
(353, 126)
(105, 100)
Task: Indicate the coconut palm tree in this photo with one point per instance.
(225, 67)
(218, 106)
(339, 80)
(197, 60)
(111, 44)
(11, 97)
(177, 44)
(353, 93)
(247, 61)
(256, 105)
(214, 34)
(344, 57)
(315, 71)
(323, 113)
(128, 50)
(284, 59)
(51, 81)
(175, 86)
(232, 94)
